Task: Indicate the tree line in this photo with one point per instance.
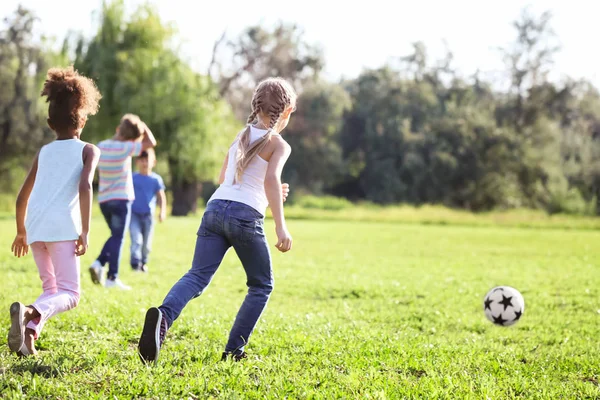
(412, 131)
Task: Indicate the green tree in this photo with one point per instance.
(545, 115)
(137, 69)
(413, 137)
(315, 165)
(23, 65)
(240, 63)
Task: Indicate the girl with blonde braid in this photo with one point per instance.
(250, 181)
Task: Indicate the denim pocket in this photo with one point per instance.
(260, 227)
(242, 228)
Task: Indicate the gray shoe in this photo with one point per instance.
(116, 283)
(16, 334)
(96, 272)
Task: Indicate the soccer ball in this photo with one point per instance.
(504, 305)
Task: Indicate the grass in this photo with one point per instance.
(360, 310)
(329, 208)
(439, 215)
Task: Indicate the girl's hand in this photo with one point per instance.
(81, 245)
(285, 191)
(19, 246)
(162, 216)
(284, 240)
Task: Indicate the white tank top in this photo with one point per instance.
(251, 189)
(53, 212)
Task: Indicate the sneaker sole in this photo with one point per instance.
(149, 345)
(16, 334)
(95, 274)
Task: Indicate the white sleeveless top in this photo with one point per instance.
(251, 189)
(53, 212)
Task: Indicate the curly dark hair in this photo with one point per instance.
(72, 98)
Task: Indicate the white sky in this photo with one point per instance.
(363, 35)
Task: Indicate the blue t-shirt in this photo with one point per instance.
(146, 187)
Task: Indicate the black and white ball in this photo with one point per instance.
(504, 305)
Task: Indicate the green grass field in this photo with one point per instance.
(360, 310)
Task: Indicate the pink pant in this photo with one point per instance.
(59, 270)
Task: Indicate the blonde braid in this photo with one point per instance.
(277, 109)
(252, 117)
(242, 150)
(255, 109)
(244, 142)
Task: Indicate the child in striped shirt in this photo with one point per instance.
(116, 193)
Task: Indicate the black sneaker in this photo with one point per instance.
(153, 335)
(234, 356)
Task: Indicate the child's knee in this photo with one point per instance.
(74, 299)
(264, 288)
(270, 285)
(268, 290)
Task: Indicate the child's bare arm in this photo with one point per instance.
(91, 156)
(19, 246)
(162, 203)
(273, 190)
(148, 140)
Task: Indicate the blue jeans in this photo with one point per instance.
(117, 214)
(228, 224)
(141, 229)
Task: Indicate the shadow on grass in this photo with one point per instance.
(46, 371)
(49, 368)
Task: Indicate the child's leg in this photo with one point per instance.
(136, 234)
(210, 250)
(211, 246)
(147, 232)
(18, 333)
(42, 259)
(120, 213)
(107, 214)
(256, 259)
(66, 269)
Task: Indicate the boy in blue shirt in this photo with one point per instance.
(149, 189)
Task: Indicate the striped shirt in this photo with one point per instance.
(114, 169)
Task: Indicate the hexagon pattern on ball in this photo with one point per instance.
(504, 305)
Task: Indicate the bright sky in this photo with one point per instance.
(363, 35)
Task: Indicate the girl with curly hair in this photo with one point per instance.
(54, 206)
